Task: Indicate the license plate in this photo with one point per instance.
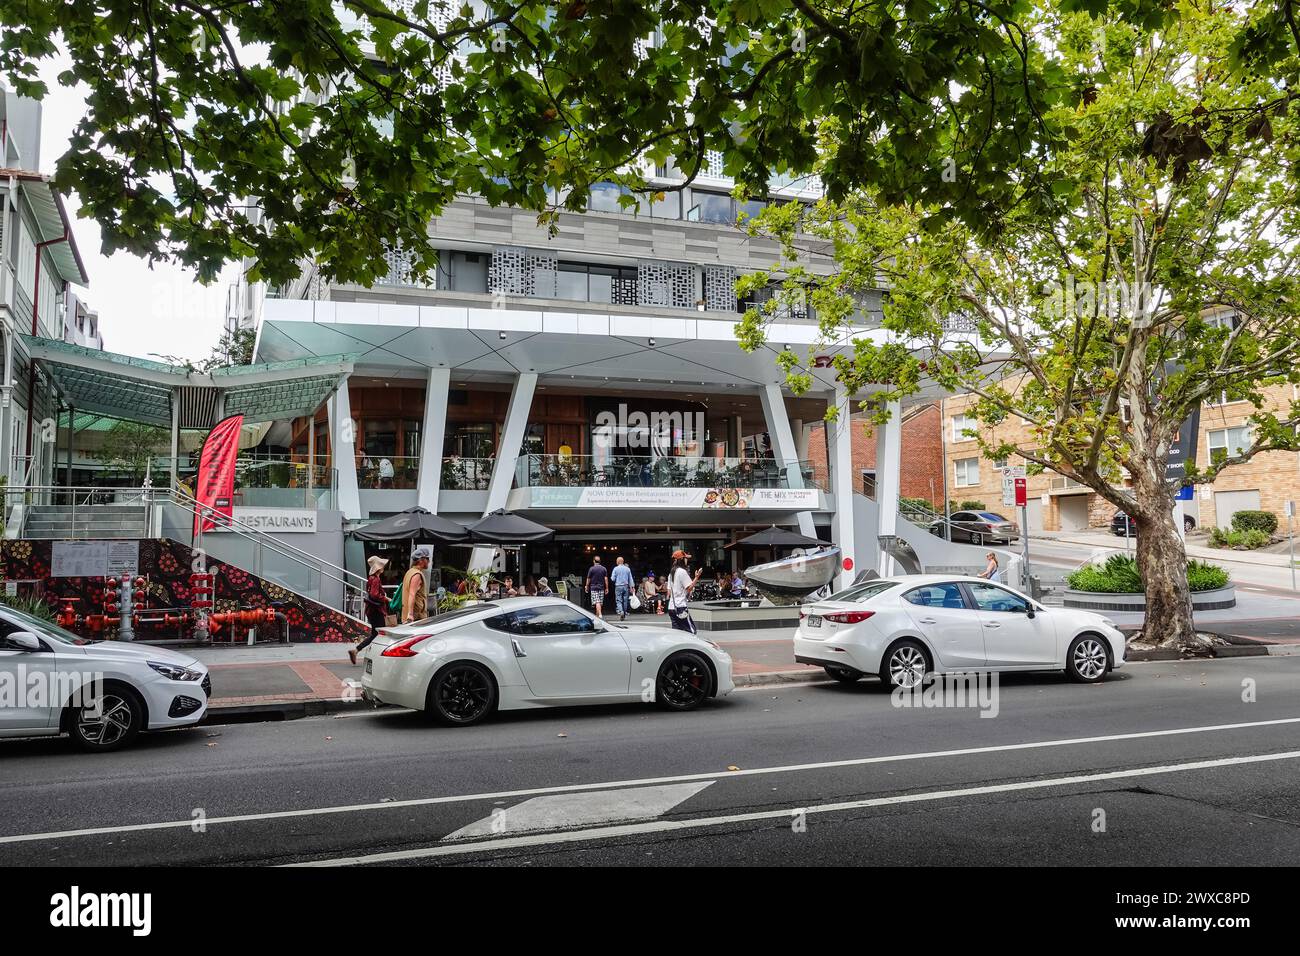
(814, 620)
(370, 666)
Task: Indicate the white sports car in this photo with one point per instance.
(537, 652)
(906, 628)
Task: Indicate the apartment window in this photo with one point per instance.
(712, 207)
(1226, 442)
(960, 423)
(669, 207)
(967, 472)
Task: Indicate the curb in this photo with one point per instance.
(780, 677)
(297, 709)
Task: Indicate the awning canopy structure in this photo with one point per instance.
(414, 524)
(53, 223)
(775, 537)
(142, 390)
(506, 527)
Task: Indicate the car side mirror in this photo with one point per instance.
(24, 641)
(1029, 611)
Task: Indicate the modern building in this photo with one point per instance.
(39, 267)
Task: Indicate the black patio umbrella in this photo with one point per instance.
(505, 527)
(414, 524)
(775, 537)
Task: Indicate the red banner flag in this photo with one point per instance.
(215, 486)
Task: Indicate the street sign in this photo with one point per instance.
(1021, 492)
(1013, 494)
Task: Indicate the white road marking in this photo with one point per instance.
(664, 826)
(570, 810)
(641, 782)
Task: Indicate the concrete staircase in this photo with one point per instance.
(62, 522)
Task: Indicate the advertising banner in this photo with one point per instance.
(215, 484)
(722, 499)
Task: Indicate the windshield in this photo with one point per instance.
(990, 516)
(43, 628)
(862, 592)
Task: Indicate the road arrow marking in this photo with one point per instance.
(563, 811)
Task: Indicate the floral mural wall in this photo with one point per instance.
(166, 566)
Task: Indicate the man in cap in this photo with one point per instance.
(415, 596)
(680, 585)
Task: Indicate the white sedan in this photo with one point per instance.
(905, 628)
(101, 693)
(537, 652)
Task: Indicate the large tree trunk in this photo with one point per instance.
(1162, 562)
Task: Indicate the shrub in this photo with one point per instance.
(1118, 574)
(1205, 577)
(968, 506)
(915, 504)
(1253, 538)
(1264, 521)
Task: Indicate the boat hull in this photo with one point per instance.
(795, 577)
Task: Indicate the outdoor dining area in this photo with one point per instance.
(638, 471)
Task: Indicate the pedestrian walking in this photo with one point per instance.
(991, 569)
(621, 578)
(680, 585)
(415, 596)
(376, 603)
(597, 578)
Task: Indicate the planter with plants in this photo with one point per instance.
(1250, 530)
(1116, 585)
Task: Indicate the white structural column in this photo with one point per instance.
(503, 472)
(889, 463)
(343, 454)
(839, 437)
(787, 455)
(436, 390)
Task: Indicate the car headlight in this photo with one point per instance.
(175, 671)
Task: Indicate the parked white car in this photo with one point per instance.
(904, 628)
(537, 652)
(101, 693)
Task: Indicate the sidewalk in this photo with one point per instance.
(302, 679)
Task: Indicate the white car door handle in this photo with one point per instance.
(928, 620)
(519, 651)
(992, 624)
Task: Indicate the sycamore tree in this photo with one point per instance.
(1162, 275)
(291, 132)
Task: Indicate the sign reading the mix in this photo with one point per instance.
(724, 499)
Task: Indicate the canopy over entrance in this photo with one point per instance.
(178, 397)
(155, 393)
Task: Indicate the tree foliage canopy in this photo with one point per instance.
(288, 131)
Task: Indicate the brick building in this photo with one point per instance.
(922, 472)
(1266, 482)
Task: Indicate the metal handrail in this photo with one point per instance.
(231, 523)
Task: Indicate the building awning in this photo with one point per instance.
(142, 390)
(53, 221)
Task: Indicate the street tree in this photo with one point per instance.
(1161, 276)
(327, 132)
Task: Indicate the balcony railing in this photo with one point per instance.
(466, 474)
(642, 472)
(387, 471)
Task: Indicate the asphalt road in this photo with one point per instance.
(1164, 764)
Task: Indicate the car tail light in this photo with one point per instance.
(404, 647)
(849, 617)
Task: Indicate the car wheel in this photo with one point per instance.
(684, 682)
(111, 725)
(904, 665)
(1189, 523)
(976, 538)
(845, 675)
(461, 694)
(1087, 660)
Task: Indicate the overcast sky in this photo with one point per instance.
(161, 310)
